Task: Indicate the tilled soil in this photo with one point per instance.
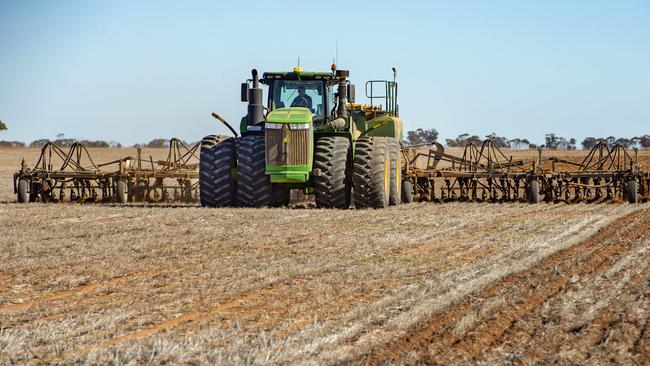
(539, 318)
(420, 283)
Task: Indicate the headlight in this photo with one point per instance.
(299, 126)
(273, 126)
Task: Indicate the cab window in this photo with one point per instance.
(297, 93)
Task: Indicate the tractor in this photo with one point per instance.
(310, 136)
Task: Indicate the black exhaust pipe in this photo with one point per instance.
(342, 75)
(255, 106)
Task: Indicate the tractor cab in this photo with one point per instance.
(316, 91)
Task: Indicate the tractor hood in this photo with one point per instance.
(289, 115)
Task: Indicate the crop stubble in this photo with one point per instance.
(154, 284)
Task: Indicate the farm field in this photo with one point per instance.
(441, 284)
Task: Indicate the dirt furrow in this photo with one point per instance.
(78, 291)
(530, 288)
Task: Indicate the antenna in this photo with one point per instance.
(298, 61)
(336, 57)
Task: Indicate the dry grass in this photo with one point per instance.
(447, 284)
(158, 284)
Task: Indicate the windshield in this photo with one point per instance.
(297, 93)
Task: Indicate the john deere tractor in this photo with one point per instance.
(310, 136)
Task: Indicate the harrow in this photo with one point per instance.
(485, 174)
(74, 176)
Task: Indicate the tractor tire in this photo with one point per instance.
(632, 191)
(217, 162)
(407, 191)
(254, 186)
(23, 191)
(332, 187)
(121, 192)
(371, 172)
(395, 195)
(533, 192)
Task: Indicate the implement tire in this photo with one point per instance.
(332, 187)
(371, 172)
(407, 191)
(394, 150)
(121, 191)
(23, 191)
(254, 186)
(632, 191)
(217, 163)
(533, 191)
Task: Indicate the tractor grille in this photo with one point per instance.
(295, 152)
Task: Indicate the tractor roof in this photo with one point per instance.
(302, 75)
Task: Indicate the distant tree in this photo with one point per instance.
(158, 143)
(552, 141)
(626, 143)
(12, 144)
(421, 136)
(39, 143)
(498, 140)
(3, 126)
(532, 146)
(644, 141)
(610, 141)
(97, 143)
(463, 140)
(588, 143)
(64, 142)
(572, 144)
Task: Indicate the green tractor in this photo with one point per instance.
(310, 136)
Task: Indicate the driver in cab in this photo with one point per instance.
(302, 99)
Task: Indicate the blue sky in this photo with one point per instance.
(132, 71)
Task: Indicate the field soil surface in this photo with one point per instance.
(442, 284)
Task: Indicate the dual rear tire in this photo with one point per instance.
(217, 165)
(254, 188)
(377, 172)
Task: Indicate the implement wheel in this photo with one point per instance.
(407, 191)
(632, 191)
(217, 162)
(23, 191)
(533, 191)
(121, 191)
(395, 195)
(332, 187)
(372, 172)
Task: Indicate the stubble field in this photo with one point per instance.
(420, 283)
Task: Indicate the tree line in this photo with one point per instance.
(552, 141)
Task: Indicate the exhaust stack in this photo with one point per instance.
(342, 75)
(255, 107)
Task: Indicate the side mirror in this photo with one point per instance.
(351, 93)
(244, 92)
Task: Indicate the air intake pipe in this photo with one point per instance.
(255, 107)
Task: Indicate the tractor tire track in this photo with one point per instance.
(77, 291)
(530, 289)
